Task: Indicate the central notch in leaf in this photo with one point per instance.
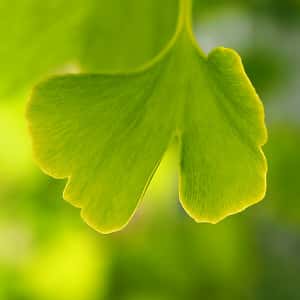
(107, 133)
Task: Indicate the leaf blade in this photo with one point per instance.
(109, 145)
(223, 169)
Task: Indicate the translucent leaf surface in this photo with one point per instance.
(108, 133)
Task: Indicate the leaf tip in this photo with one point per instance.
(103, 229)
(214, 219)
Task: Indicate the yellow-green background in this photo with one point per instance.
(47, 252)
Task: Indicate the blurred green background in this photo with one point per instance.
(47, 252)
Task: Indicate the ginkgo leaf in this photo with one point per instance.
(110, 144)
(108, 133)
(223, 169)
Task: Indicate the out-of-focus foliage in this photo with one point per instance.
(284, 12)
(43, 37)
(265, 68)
(162, 256)
(121, 36)
(284, 157)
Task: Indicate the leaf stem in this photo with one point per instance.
(184, 29)
(185, 14)
(185, 23)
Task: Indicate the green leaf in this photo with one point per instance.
(109, 147)
(108, 133)
(223, 168)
